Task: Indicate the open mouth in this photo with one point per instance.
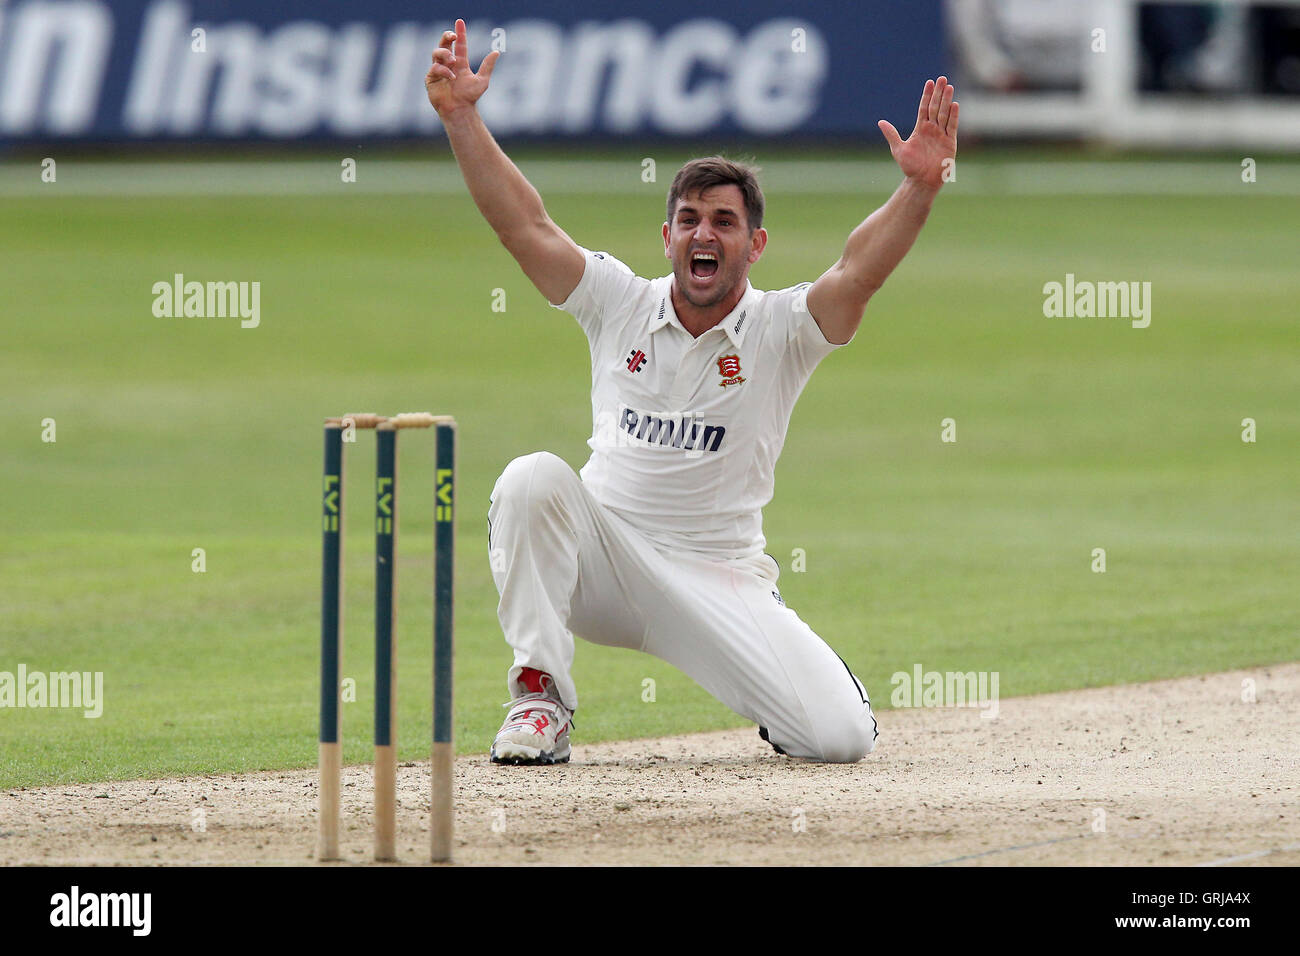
(704, 265)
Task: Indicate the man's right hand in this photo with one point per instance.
(512, 207)
(451, 84)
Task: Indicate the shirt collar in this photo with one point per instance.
(735, 325)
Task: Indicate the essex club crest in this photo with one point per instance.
(729, 369)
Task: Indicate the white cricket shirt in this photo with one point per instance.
(686, 432)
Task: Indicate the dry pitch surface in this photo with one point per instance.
(1175, 772)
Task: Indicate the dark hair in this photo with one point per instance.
(701, 174)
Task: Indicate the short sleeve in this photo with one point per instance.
(605, 282)
(806, 343)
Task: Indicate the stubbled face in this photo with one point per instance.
(710, 245)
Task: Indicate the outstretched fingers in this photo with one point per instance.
(952, 120)
(945, 108)
(923, 111)
(932, 113)
(455, 47)
(462, 45)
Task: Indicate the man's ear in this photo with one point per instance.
(757, 243)
(666, 254)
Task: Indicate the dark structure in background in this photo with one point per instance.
(1277, 37)
(1199, 48)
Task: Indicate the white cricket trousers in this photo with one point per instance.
(564, 565)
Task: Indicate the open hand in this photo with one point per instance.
(934, 138)
(451, 84)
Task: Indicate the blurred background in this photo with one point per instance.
(291, 144)
(1133, 72)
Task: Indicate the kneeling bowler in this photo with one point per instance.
(658, 544)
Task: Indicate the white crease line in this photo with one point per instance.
(1251, 856)
(1005, 849)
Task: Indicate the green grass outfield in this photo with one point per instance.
(1073, 434)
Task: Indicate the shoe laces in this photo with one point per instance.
(521, 707)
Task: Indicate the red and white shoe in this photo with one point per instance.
(537, 728)
(536, 732)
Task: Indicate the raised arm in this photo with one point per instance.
(838, 299)
(508, 201)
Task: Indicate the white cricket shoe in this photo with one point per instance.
(535, 732)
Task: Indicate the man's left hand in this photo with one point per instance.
(934, 138)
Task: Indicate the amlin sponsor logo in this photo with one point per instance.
(922, 688)
(72, 689)
(75, 908)
(687, 432)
